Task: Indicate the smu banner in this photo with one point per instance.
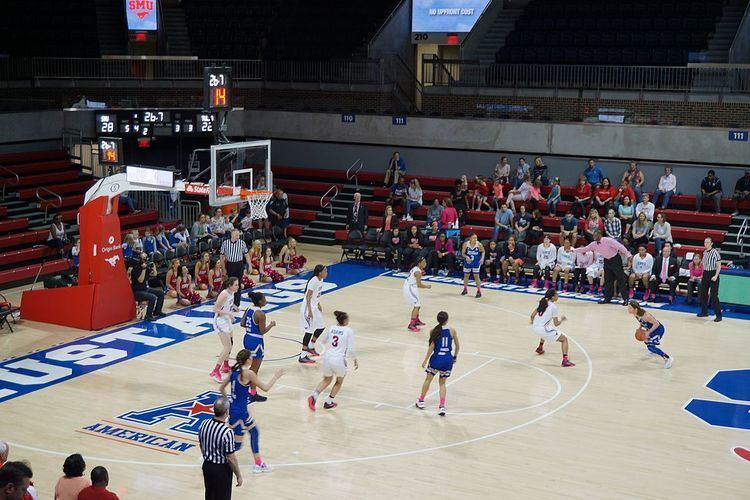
(141, 14)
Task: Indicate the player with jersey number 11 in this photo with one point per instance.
(339, 342)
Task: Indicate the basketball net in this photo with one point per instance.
(257, 201)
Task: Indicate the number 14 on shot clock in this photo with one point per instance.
(217, 88)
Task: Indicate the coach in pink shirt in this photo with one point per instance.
(610, 249)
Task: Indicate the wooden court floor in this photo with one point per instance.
(518, 425)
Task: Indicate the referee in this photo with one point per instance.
(709, 289)
(233, 251)
(216, 441)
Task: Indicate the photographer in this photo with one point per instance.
(140, 272)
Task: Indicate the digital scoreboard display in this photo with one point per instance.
(217, 88)
(444, 21)
(110, 150)
(154, 123)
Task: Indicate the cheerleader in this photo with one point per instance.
(254, 323)
(311, 314)
(339, 342)
(256, 255)
(472, 253)
(268, 274)
(216, 279)
(186, 295)
(223, 320)
(172, 274)
(654, 331)
(202, 268)
(439, 359)
(545, 318)
(546, 253)
(565, 264)
(596, 272)
(240, 380)
(291, 259)
(492, 259)
(247, 280)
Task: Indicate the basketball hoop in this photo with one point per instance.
(257, 201)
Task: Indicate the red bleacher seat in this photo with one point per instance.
(306, 187)
(702, 218)
(27, 254)
(73, 187)
(11, 158)
(25, 238)
(41, 179)
(294, 229)
(688, 201)
(3, 212)
(39, 167)
(304, 215)
(30, 271)
(67, 201)
(9, 225)
(303, 200)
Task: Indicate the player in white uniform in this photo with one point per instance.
(596, 271)
(339, 342)
(643, 263)
(545, 318)
(411, 293)
(546, 253)
(311, 314)
(223, 320)
(566, 261)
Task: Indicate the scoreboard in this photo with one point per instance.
(148, 123)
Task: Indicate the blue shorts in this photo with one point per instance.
(255, 345)
(472, 267)
(654, 338)
(440, 365)
(240, 421)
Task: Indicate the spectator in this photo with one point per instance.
(171, 278)
(695, 269)
(522, 170)
(75, 255)
(666, 270)
(186, 294)
(540, 172)
(218, 224)
(162, 241)
(497, 194)
(394, 247)
(624, 191)
(413, 198)
(582, 262)
(179, 236)
(635, 178)
(261, 184)
(390, 220)
(604, 197)
(521, 224)
(643, 264)
(582, 197)
(285, 221)
(512, 258)
(641, 230)
(522, 193)
(546, 253)
(57, 238)
(592, 224)
(536, 228)
(646, 207)
(612, 225)
(535, 193)
(276, 208)
(98, 489)
(128, 247)
(149, 242)
(503, 222)
(398, 194)
(710, 188)
(593, 173)
(502, 171)
(15, 481)
(491, 264)
(246, 223)
(626, 213)
(443, 256)
(609, 250)
(741, 192)
(414, 245)
(434, 211)
(449, 216)
(198, 231)
(661, 232)
(459, 196)
(356, 216)
(666, 188)
(200, 271)
(481, 192)
(396, 169)
(569, 228)
(141, 291)
(72, 482)
(554, 197)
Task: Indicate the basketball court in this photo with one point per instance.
(518, 425)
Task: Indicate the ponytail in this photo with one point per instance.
(255, 297)
(442, 319)
(544, 302)
(241, 358)
(639, 311)
(341, 317)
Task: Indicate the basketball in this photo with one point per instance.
(640, 335)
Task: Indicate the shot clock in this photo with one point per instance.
(110, 150)
(217, 88)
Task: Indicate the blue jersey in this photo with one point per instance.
(647, 325)
(442, 355)
(253, 339)
(239, 395)
(473, 256)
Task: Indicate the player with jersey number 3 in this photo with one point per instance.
(545, 319)
(223, 321)
(339, 342)
(411, 293)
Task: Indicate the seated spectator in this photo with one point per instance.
(604, 196)
(140, 273)
(260, 184)
(481, 193)
(666, 188)
(593, 173)
(501, 173)
(149, 242)
(694, 280)
(540, 172)
(535, 193)
(276, 208)
(491, 264)
(741, 192)
(396, 169)
(626, 213)
(57, 237)
(434, 212)
(75, 251)
(72, 482)
(643, 264)
(582, 196)
(521, 224)
(554, 197)
(592, 224)
(179, 236)
(394, 247)
(162, 240)
(623, 191)
(186, 294)
(512, 259)
(218, 224)
(15, 481)
(128, 247)
(497, 194)
(522, 170)
(98, 489)
(398, 194)
(710, 188)
(564, 263)
(171, 278)
(661, 232)
(231, 220)
(449, 216)
(202, 267)
(503, 222)
(522, 193)
(584, 260)
(390, 220)
(612, 225)
(646, 207)
(246, 223)
(128, 203)
(666, 270)
(291, 258)
(413, 246)
(569, 228)
(431, 235)
(536, 228)
(641, 230)
(458, 198)
(634, 176)
(596, 272)
(198, 231)
(443, 257)
(137, 242)
(413, 198)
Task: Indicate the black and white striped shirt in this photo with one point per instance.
(711, 259)
(234, 251)
(217, 441)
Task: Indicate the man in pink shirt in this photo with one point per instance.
(610, 248)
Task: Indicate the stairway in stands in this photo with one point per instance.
(726, 29)
(178, 39)
(322, 230)
(495, 37)
(731, 248)
(110, 24)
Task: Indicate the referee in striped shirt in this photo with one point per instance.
(709, 290)
(235, 254)
(216, 441)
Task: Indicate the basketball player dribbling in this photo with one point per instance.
(223, 320)
(254, 323)
(439, 360)
(654, 331)
(339, 342)
(411, 293)
(311, 314)
(472, 253)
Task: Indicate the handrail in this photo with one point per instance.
(741, 237)
(741, 36)
(487, 9)
(328, 204)
(353, 175)
(5, 181)
(47, 205)
(385, 23)
(192, 160)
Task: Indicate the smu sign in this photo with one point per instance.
(142, 15)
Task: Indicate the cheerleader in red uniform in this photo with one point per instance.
(186, 296)
(202, 268)
(172, 275)
(247, 280)
(216, 279)
(268, 273)
(291, 259)
(256, 255)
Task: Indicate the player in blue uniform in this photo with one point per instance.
(439, 359)
(240, 379)
(254, 323)
(472, 253)
(654, 331)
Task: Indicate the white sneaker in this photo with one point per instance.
(668, 363)
(263, 467)
(441, 411)
(420, 405)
